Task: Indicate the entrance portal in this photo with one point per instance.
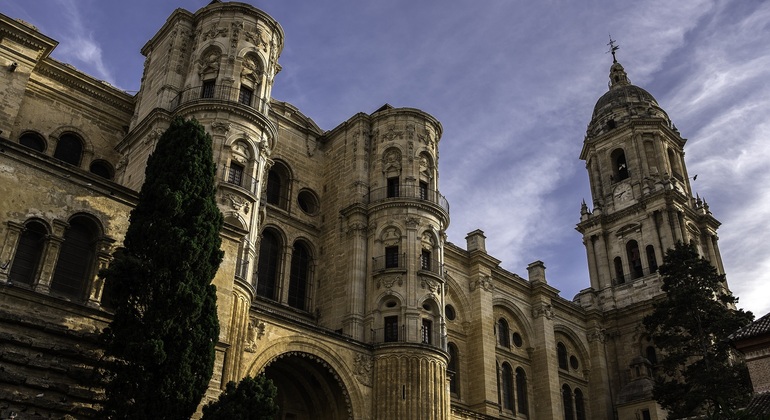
(308, 388)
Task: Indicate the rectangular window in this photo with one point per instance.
(426, 331)
(207, 91)
(391, 257)
(244, 96)
(391, 328)
(423, 190)
(425, 260)
(235, 174)
(645, 414)
(393, 187)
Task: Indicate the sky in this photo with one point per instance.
(513, 83)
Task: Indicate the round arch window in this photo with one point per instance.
(102, 168)
(449, 312)
(573, 361)
(308, 202)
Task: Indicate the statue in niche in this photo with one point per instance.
(424, 166)
(251, 69)
(209, 62)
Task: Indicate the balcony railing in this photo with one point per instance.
(630, 277)
(408, 191)
(386, 262)
(424, 335)
(432, 266)
(219, 93)
(240, 179)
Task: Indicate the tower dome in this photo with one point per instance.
(623, 102)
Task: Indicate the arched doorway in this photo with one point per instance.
(308, 388)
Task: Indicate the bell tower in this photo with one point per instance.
(641, 195)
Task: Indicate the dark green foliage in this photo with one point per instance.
(699, 372)
(251, 399)
(162, 337)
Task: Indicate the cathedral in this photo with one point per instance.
(338, 282)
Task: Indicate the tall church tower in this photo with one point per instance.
(642, 197)
(643, 205)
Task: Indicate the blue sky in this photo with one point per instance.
(514, 83)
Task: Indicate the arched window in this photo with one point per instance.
(453, 370)
(651, 261)
(102, 168)
(676, 169)
(619, 277)
(32, 140)
(561, 355)
(521, 391)
(75, 265)
(269, 264)
(506, 390)
(299, 277)
(503, 333)
(619, 165)
(651, 355)
(28, 253)
(580, 407)
(278, 186)
(566, 397)
(69, 149)
(634, 259)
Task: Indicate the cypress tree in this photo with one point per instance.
(699, 374)
(161, 340)
(251, 399)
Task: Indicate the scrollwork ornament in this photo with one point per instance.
(255, 332)
(362, 367)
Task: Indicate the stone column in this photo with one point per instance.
(9, 249)
(50, 256)
(545, 385)
(103, 259)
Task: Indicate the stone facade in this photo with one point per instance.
(338, 281)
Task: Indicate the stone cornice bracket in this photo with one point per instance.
(542, 309)
(483, 282)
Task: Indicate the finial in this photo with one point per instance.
(612, 49)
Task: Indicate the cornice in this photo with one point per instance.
(248, 113)
(83, 83)
(26, 35)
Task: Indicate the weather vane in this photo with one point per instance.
(612, 49)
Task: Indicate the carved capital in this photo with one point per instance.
(484, 282)
(542, 309)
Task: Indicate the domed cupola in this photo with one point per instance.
(623, 102)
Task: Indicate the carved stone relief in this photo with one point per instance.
(255, 332)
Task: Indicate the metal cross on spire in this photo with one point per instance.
(612, 49)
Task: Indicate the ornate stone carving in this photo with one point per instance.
(391, 236)
(484, 282)
(213, 32)
(542, 309)
(430, 284)
(362, 366)
(153, 136)
(250, 69)
(596, 334)
(209, 62)
(412, 222)
(389, 281)
(255, 332)
(392, 134)
(236, 203)
(257, 38)
(220, 127)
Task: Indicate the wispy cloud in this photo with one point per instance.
(77, 44)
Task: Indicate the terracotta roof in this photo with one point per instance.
(756, 328)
